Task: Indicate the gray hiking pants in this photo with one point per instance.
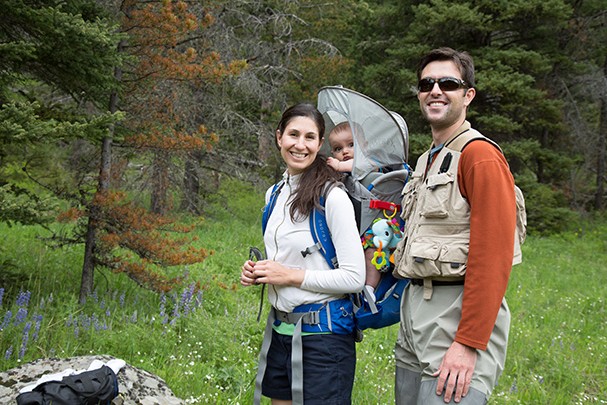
(427, 330)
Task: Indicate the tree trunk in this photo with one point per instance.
(160, 182)
(191, 184)
(540, 160)
(602, 146)
(88, 266)
(265, 143)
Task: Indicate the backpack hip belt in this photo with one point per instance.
(334, 316)
(308, 318)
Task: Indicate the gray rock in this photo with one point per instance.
(135, 386)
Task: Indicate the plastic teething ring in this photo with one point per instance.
(395, 210)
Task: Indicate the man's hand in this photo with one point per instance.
(456, 371)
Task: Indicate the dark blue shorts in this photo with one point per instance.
(329, 363)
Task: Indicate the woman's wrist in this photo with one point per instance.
(297, 277)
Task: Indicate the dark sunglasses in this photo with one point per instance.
(444, 83)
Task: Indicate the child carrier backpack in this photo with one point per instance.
(379, 174)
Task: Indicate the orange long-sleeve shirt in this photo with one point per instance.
(486, 182)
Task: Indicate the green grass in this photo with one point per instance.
(207, 354)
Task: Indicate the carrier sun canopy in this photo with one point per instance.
(380, 136)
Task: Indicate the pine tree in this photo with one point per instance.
(56, 65)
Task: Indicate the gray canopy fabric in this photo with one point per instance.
(380, 136)
(381, 144)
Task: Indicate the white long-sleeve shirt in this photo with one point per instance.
(285, 239)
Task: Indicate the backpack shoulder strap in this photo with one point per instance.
(267, 210)
(459, 142)
(322, 236)
(320, 232)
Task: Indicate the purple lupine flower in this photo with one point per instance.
(102, 304)
(107, 313)
(20, 316)
(176, 310)
(1, 295)
(199, 299)
(513, 387)
(7, 319)
(186, 298)
(38, 320)
(134, 317)
(85, 322)
(163, 301)
(163, 315)
(23, 299)
(94, 296)
(122, 300)
(95, 322)
(26, 333)
(8, 353)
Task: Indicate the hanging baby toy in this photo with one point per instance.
(383, 235)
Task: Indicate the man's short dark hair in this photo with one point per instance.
(462, 60)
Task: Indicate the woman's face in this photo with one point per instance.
(299, 144)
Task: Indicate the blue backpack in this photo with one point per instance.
(385, 311)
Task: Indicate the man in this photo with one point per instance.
(458, 248)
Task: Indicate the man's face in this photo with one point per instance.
(443, 109)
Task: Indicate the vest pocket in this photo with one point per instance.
(423, 256)
(409, 197)
(438, 190)
(437, 258)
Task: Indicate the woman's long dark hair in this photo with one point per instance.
(318, 176)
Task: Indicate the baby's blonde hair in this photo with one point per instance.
(339, 128)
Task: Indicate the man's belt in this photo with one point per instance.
(436, 282)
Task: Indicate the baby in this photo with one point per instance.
(342, 149)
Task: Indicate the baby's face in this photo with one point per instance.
(342, 145)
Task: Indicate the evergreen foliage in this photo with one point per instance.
(56, 63)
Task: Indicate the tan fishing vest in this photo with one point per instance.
(437, 219)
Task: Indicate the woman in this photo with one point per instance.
(301, 284)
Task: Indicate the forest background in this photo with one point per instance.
(121, 120)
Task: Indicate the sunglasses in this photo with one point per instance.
(444, 83)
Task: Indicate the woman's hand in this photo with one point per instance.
(271, 272)
(247, 278)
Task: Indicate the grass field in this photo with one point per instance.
(205, 344)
